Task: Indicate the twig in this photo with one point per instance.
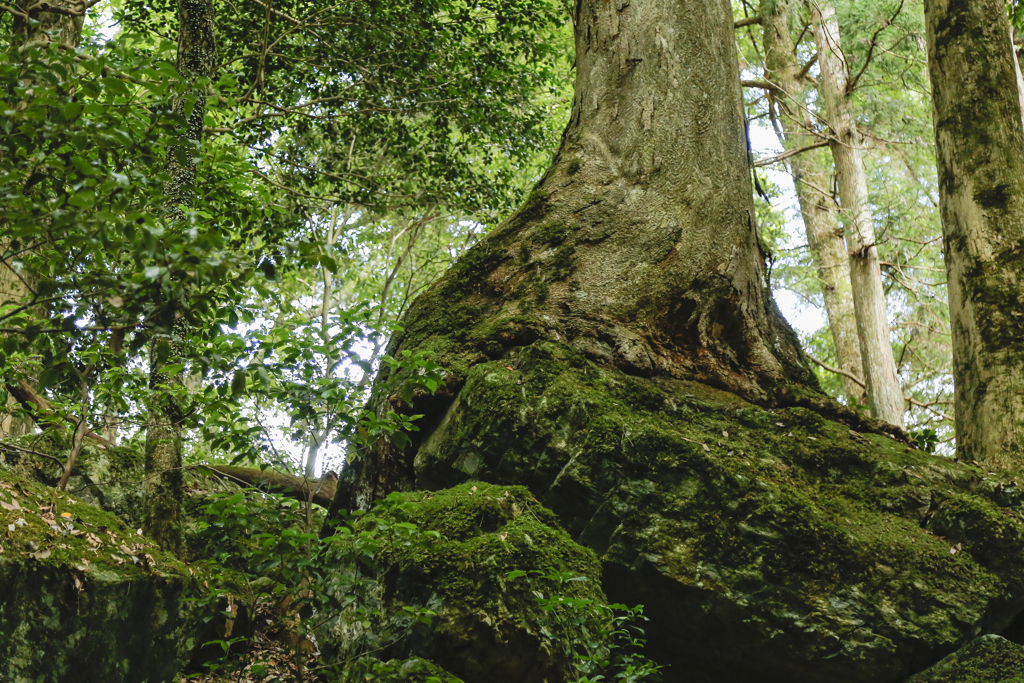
(19, 449)
(926, 406)
(80, 430)
(790, 153)
(871, 50)
(838, 371)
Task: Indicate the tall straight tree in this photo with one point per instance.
(196, 60)
(885, 397)
(979, 135)
(811, 174)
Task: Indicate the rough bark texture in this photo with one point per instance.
(979, 136)
(38, 28)
(811, 176)
(638, 247)
(885, 397)
(197, 59)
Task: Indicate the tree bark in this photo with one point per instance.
(163, 494)
(810, 174)
(39, 29)
(638, 248)
(979, 135)
(885, 397)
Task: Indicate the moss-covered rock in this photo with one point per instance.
(487, 626)
(989, 659)
(767, 544)
(108, 477)
(83, 597)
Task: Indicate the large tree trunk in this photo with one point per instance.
(811, 175)
(638, 248)
(885, 397)
(163, 493)
(32, 27)
(979, 134)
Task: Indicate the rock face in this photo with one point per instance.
(487, 626)
(108, 478)
(989, 659)
(767, 545)
(84, 598)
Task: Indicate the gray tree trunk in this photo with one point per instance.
(885, 397)
(979, 135)
(638, 247)
(163, 494)
(811, 175)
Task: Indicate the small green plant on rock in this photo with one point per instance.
(280, 579)
(611, 642)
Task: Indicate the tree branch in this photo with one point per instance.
(42, 412)
(857, 380)
(748, 21)
(318, 491)
(764, 85)
(790, 153)
(871, 50)
(807, 67)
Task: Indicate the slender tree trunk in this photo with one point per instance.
(979, 135)
(638, 247)
(885, 397)
(32, 29)
(810, 176)
(197, 58)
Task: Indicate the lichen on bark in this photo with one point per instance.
(979, 133)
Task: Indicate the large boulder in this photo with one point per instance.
(767, 544)
(84, 597)
(488, 624)
(109, 477)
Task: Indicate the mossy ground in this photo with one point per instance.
(75, 533)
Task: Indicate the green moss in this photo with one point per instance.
(79, 591)
(487, 532)
(989, 659)
(800, 525)
(74, 531)
(552, 233)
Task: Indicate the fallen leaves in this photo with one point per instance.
(41, 554)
